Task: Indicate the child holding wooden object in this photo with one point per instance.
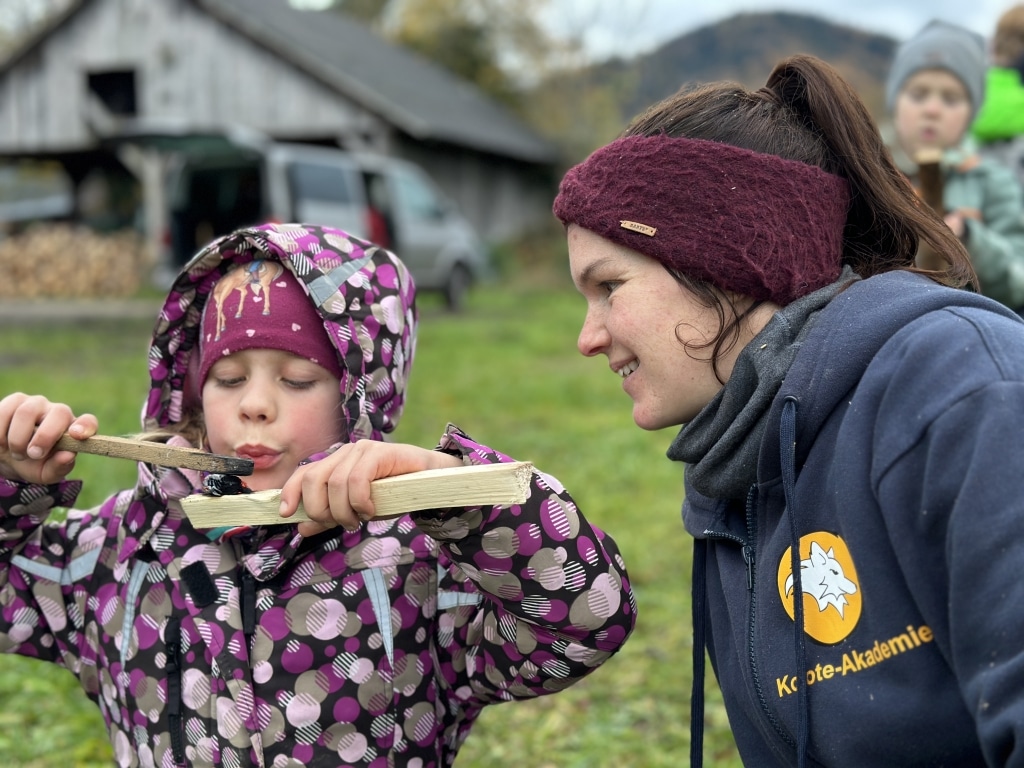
(343, 640)
(935, 87)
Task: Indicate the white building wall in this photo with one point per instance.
(187, 66)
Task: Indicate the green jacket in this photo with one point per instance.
(1001, 117)
(996, 242)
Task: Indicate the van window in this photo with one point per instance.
(311, 181)
(417, 197)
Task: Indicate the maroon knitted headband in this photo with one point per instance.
(746, 222)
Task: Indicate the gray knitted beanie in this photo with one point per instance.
(940, 45)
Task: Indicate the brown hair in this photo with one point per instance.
(192, 427)
(808, 113)
(1008, 42)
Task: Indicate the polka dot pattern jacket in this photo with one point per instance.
(378, 647)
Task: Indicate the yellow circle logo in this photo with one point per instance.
(831, 590)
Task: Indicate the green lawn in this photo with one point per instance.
(508, 373)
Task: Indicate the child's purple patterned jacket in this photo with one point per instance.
(370, 648)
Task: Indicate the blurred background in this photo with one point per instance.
(134, 131)
(150, 126)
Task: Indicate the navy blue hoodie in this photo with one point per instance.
(901, 473)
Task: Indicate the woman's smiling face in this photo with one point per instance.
(652, 330)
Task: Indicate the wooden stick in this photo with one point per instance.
(156, 453)
(484, 485)
(929, 174)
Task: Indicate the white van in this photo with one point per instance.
(389, 201)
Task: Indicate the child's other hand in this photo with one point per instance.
(30, 426)
(955, 221)
(336, 489)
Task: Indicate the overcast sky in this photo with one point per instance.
(625, 27)
(629, 26)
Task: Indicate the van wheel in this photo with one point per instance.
(457, 287)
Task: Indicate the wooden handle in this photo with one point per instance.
(932, 189)
(156, 453)
(929, 173)
(484, 485)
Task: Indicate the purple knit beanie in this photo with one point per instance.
(746, 222)
(260, 305)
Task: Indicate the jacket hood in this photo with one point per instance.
(832, 361)
(850, 331)
(364, 294)
(847, 334)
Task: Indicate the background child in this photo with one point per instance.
(374, 646)
(934, 89)
(999, 126)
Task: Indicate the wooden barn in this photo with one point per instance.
(101, 72)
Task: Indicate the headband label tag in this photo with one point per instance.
(636, 226)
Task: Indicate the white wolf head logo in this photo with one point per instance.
(821, 576)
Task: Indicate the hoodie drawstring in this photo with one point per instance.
(698, 599)
(787, 450)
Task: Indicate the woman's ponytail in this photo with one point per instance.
(807, 112)
(887, 220)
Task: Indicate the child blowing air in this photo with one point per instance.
(935, 87)
(344, 641)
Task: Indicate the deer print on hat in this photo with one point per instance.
(255, 276)
(283, 316)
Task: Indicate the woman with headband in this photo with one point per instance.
(851, 425)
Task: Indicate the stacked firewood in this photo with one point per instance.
(60, 260)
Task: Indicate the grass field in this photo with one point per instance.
(507, 372)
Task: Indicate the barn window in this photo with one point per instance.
(116, 90)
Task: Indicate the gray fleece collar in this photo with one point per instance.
(721, 445)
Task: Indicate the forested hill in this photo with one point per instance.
(745, 48)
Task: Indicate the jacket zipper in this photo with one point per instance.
(749, 556)
(172, 666)
(248, 607)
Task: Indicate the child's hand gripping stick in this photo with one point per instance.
(485, 485)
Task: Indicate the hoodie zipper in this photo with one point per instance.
(749, 557)
(749, 551)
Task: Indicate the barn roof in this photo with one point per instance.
(415, 95)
